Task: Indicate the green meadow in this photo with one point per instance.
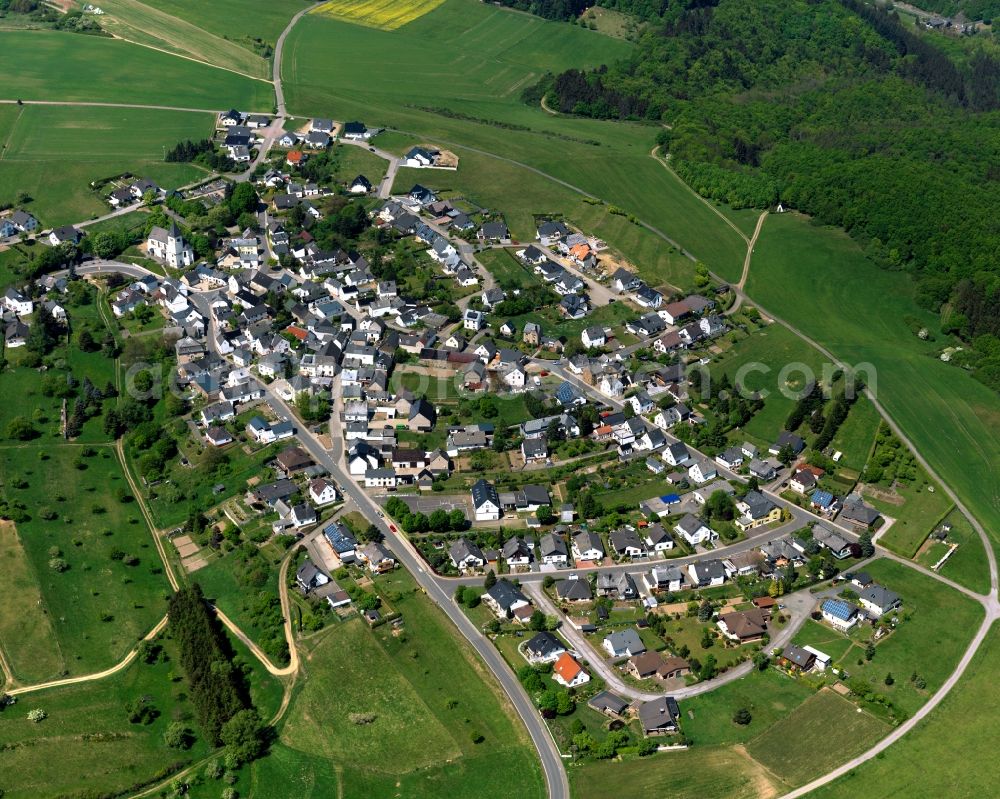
(234, 19)
(52, 65)
(427, 694)
(53, 153)
(112, 590)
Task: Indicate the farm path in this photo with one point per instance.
(746, 265)
(100, 675)
(144, 106)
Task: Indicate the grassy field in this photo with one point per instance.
(968, 564)
(383, 14)
(936, 741)
(53, 153)
(428, 694)
(765, 362)
(52, 65)
(694, 774)
(25, 628)
(798, 747)
(88, 734)
(918, 514)
(509, 272)
(99, 607)
(769, 696)
(234, 19)
(353, 161)
(148, 25)
(856, 435)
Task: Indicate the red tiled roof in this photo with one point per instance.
(566, 667)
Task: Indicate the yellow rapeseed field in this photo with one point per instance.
(385, 14)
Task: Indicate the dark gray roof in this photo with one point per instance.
(574, 590)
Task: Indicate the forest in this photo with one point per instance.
(833, 108)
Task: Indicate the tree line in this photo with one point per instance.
(215, 689)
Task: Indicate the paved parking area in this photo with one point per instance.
(430, 503)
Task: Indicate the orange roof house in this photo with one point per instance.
(294, 158)
(566, 671)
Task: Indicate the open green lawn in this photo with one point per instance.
(856, 435)
(797, 748)
(54, 153)
(353, 161)
(52, 65)
(88, 733)
(919, 513)
(100, 606)
(509, 272)
(699, 772)
(769, 361)
(968, 564)
(769, 696)
(960, 754)
(427, 693)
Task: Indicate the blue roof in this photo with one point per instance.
(567, 393)
(671, 499)
(339, 537)
(822, 498)
(839, 609)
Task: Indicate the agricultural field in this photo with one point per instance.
(699, 772)
(147, 25)
(446, 699)
(108, 589)
(53, 154)
(235, 20)
(798, 747)
(53, 65)
(382, 14)
(935, 741)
